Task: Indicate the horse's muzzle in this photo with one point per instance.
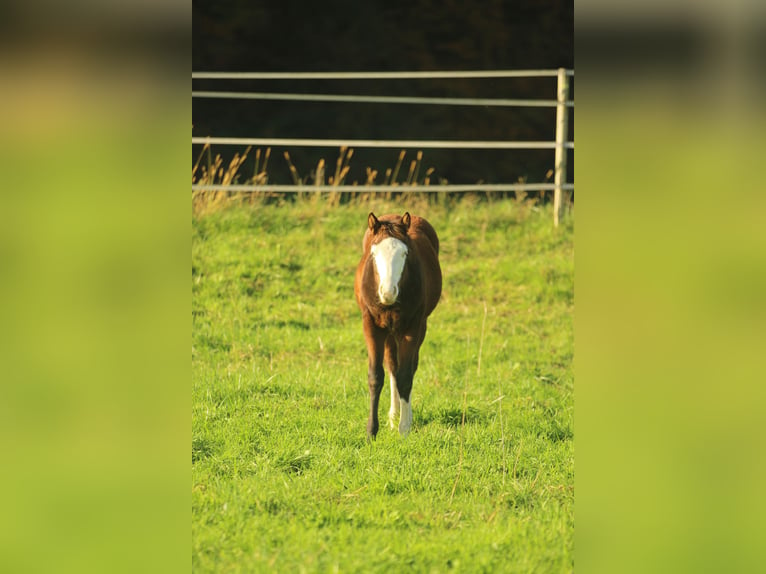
(388, 297)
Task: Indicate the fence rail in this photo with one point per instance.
(425, 144)
(434, 188)
(354, 98)
(377, 75)
(560, 145)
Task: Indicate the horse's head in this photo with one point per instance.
(389, 248)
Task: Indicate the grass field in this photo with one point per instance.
(283, 478)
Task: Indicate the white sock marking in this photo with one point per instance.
(394, 408)
(405, 420)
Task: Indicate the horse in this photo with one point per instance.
(397, 285)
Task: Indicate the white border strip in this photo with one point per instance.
(375, 75)
(485, 102)
(425, 144)
(349, 188)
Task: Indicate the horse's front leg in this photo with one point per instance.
(375, 338)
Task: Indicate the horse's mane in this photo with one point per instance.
(395, 229)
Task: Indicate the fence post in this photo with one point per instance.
(560, 171)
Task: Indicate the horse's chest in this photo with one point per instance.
(389, 319)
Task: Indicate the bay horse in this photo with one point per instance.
(397, 285)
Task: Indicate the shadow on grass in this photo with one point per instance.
(203, 447)
(453, 417)
(294, 463)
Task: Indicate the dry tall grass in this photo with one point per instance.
(210, 170)
(332, 188)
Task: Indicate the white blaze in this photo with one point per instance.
(389, 256)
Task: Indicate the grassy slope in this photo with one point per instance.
(282, 476)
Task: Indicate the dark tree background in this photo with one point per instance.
(386, 35)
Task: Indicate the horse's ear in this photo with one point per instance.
(372, 221)
(406, 219)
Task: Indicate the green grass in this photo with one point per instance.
(283, 477)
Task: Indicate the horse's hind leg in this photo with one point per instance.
(391, 361)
